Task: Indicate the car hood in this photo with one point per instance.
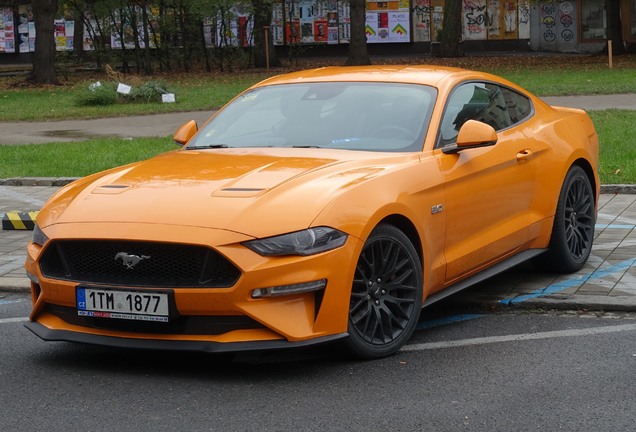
(253, 192)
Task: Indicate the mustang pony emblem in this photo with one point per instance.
(130, 261)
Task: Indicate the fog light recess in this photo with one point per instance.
(291, 289)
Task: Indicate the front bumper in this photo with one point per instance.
(279, 322)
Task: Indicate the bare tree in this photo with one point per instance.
(44, 59)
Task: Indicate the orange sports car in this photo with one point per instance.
(322, 205)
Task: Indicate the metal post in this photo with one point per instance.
(266, 30)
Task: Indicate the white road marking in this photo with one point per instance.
(519, 337)
(13, 320)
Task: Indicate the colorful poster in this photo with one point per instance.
(344, 22)
(320, 31)
(292, 32)
(25, 15)
(399, 27)
(7, 31)
(276, 27)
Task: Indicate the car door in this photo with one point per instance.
(489, 190)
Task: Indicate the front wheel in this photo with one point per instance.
(386, 295)
(573, 230)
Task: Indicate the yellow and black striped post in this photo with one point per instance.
(17, 220)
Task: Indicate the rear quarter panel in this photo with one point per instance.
(566, 136)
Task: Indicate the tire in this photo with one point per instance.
(573, 229)
(386, 294)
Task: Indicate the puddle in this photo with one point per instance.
(73, 134)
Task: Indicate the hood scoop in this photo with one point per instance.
(111, 189)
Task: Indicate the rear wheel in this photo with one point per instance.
(386, 296)
(573, 230)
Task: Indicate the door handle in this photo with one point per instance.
(524, 155)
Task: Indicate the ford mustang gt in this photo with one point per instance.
(322, 205)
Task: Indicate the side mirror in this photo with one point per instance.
(185, 132)
(473, 134)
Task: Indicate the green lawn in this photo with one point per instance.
(542, 75)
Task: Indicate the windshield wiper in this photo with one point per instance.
(208, 146)
(307, 146)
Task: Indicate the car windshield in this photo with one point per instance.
(367, 116)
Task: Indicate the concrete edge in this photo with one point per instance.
(37, 181)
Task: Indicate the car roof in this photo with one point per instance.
(424, 74)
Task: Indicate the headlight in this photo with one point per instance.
(39, 237)
(306, 242)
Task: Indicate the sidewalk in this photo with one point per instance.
(607, 283)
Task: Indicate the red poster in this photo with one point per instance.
(292, 32)
(320, 31)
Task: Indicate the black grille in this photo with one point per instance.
(158, 264)
(186, 325)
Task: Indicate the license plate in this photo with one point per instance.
(121, 304)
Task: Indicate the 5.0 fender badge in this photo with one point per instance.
(130, 261)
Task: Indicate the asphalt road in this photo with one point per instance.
(493, 372)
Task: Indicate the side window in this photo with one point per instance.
(489, 103)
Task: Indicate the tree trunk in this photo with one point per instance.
(78, 35)
(146, 24)
(262, 19)
(452, 29)
(614, 28)
(44, 59)
(358, 54)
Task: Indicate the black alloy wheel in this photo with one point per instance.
(386, 295)
(573, 230)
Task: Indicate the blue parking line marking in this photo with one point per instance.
(446, 320)
(576, 281)
(4, 302)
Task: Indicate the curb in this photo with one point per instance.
(16, 220)
(37, 181)
(63, 181)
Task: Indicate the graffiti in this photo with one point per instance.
(547, 9)
(422, 20)
(549, 22)
(476, 14)
(566, 20)
(567, 8)
(475, 19)
(422, 10)
(549, 36)
(524, 13)
(422, 7)
(494, 12)
(567, 35)
(565, 14)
